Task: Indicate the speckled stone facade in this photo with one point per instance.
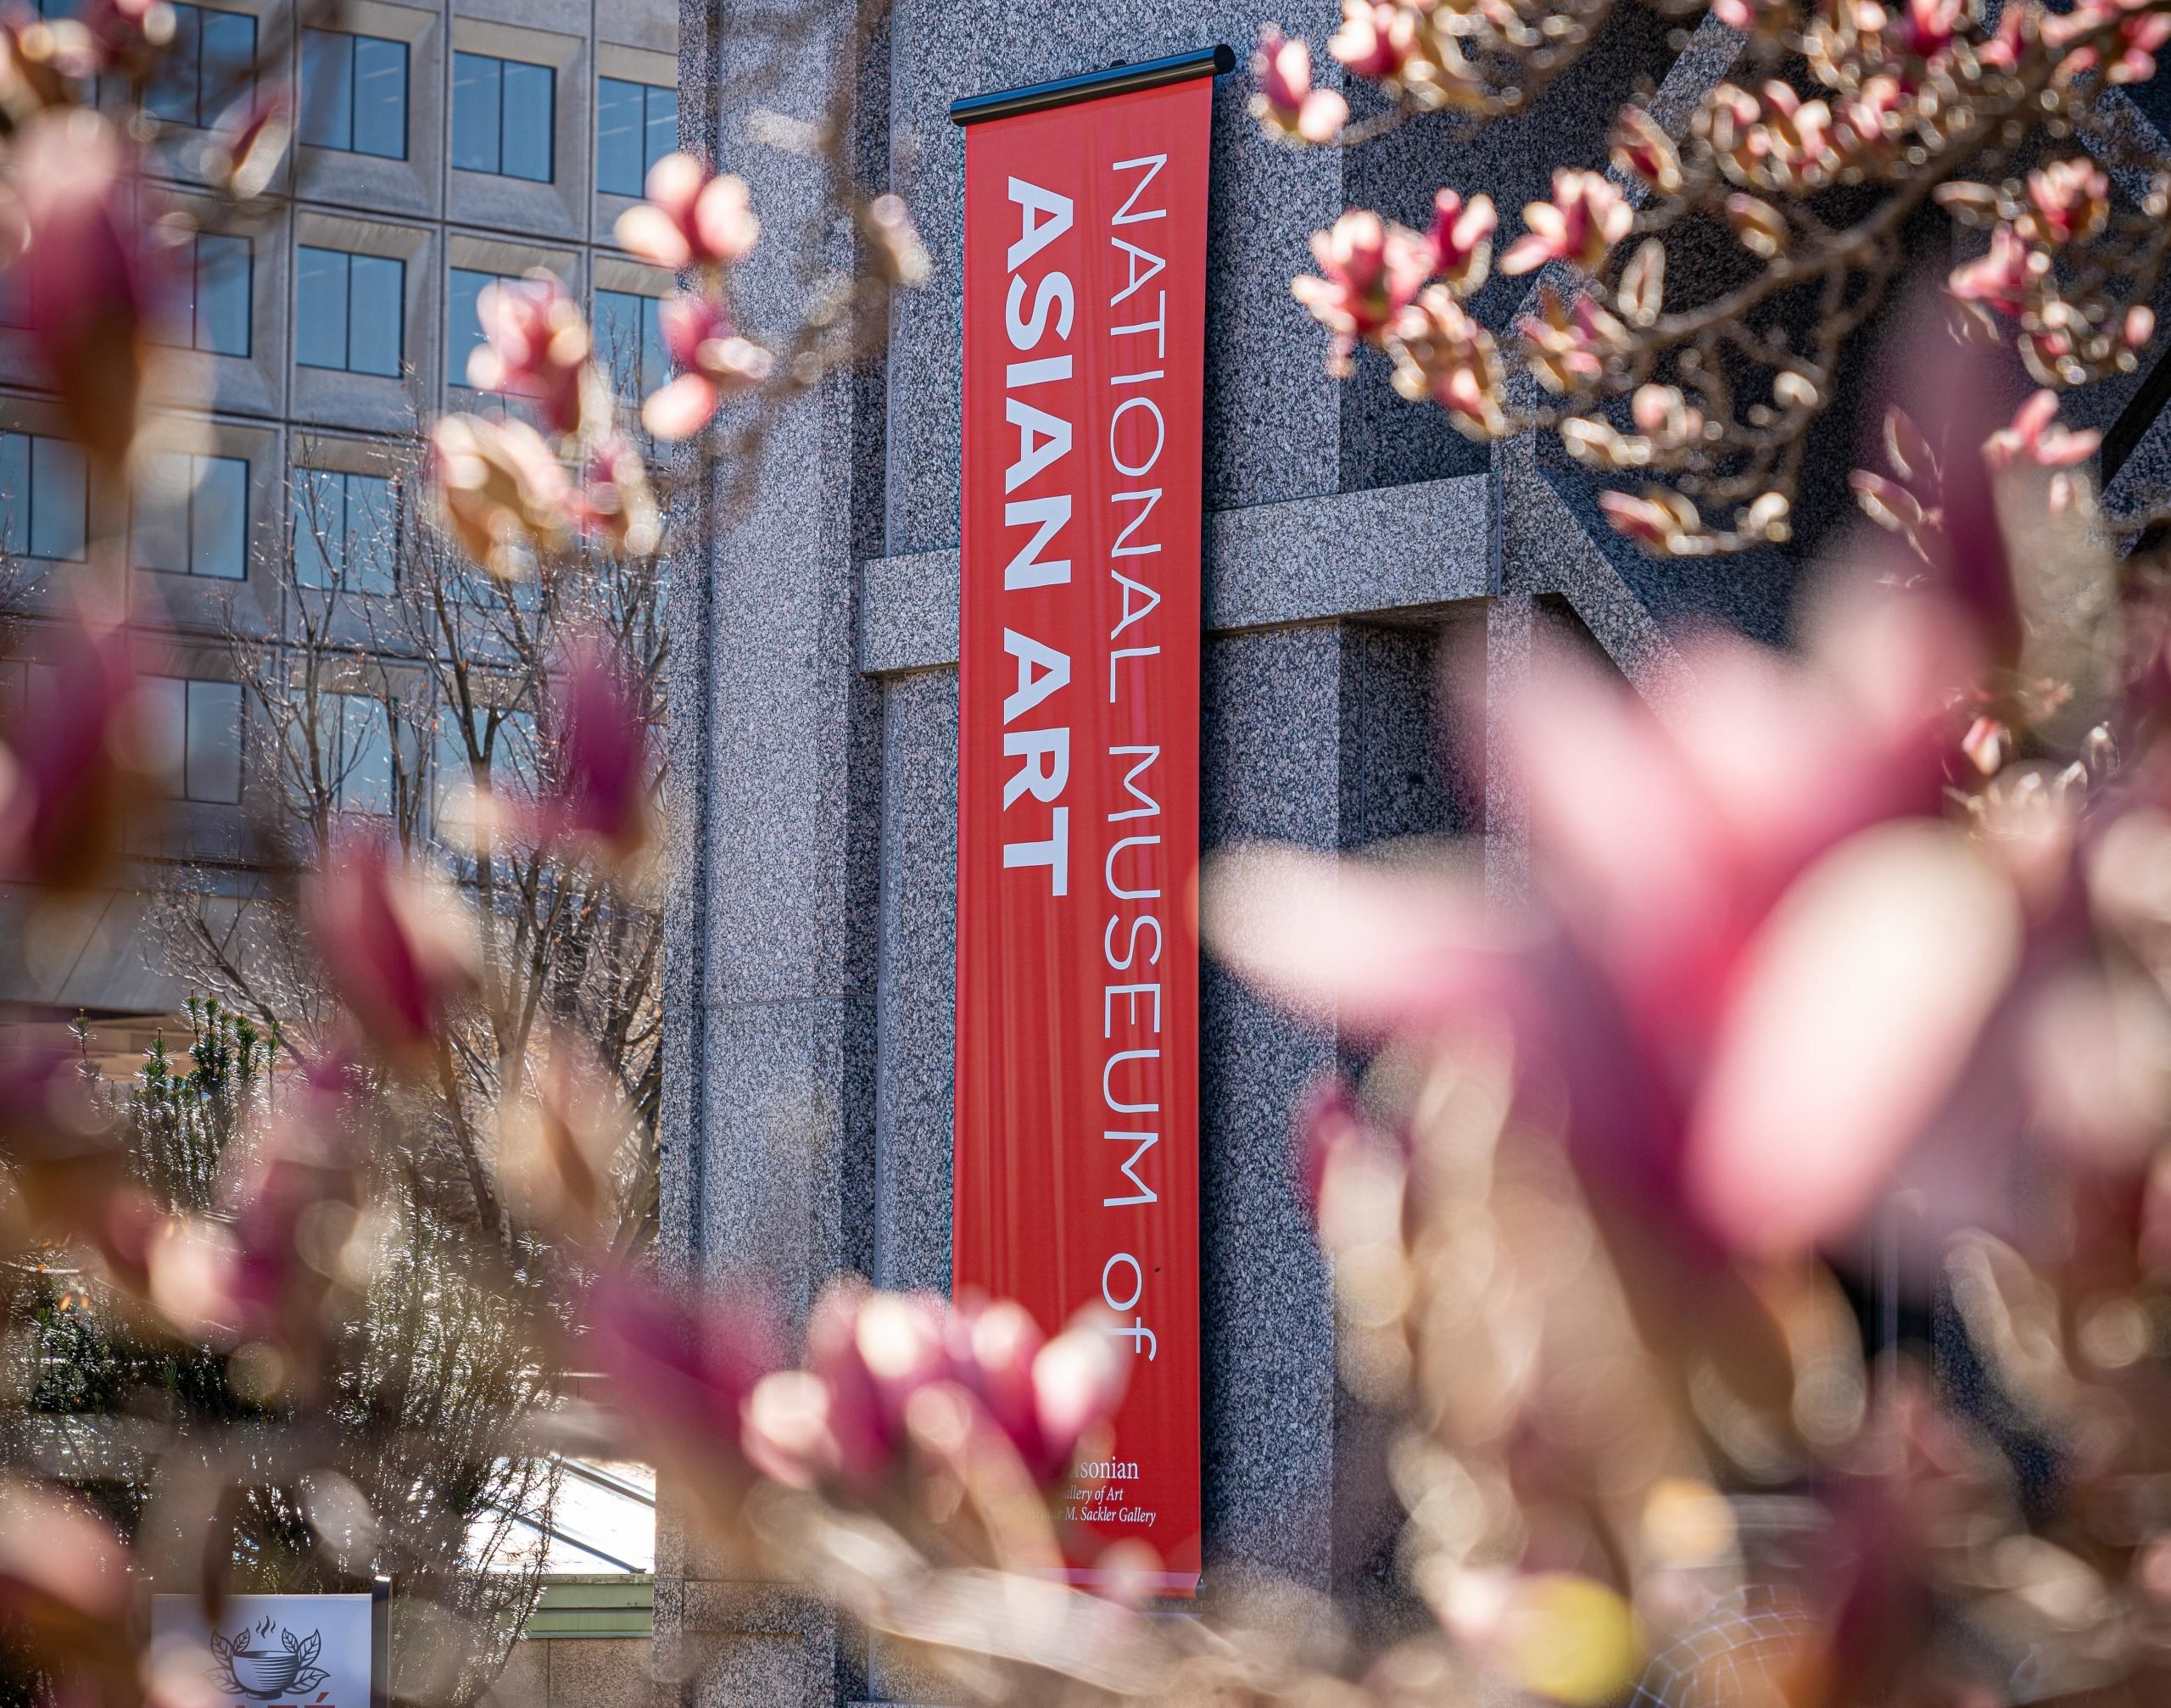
(1368, 576)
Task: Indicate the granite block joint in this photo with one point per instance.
(1405, 548)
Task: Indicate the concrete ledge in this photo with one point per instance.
(1309, 559)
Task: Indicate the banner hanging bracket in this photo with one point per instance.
(1119, 78)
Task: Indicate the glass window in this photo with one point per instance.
(224, 284)
(191, 518)
(196, 731)
(636, 125)
(217, 278)
(510, 747)
(348, 310)
(344, 530)
(504, 113)
(43, 496)
(363, 780)
(209, 66)
(629, 338)
(354, 93)
(464, 317)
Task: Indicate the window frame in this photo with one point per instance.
(187, 531)
(353, 41)
(654, 361)
(180, 778)
(189, 21)
(27, 535)
(649, 156)
(498, 62)
(347, 259)
(340, 577)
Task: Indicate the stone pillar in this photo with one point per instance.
(768, 1122)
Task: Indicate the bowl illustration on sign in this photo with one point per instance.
(253, 1662)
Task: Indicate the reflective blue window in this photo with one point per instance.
(629, 339)
(636, 125)
(192, 516)
(354, 93)
(344, 531)
(504, 117)
(43, 496)
(349, 312)
(209, 66)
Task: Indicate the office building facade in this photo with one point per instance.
(437, 147)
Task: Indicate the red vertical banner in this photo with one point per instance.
(1077, 1042)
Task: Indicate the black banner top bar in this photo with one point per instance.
(1147, 74)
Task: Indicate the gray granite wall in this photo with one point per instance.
(1364, 581)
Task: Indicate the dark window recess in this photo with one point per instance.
(504, 113)
(44, 510)
(209, 66)
(636, 125)
(354, 93)
(348, 310)
(345, 531)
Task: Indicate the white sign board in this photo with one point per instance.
(272, 1651)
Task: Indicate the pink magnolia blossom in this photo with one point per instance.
(1732, 902)
(601, 797)
(1375, 38)
(1641, 146)
(2034, 437)
(396, 943)
(688, 1360)
(2006, 278)
(1462, 240)
(693, 217)
(1586, 216)
(250, 141)
(94, 285)
(1927, 28)
(2070, 202)
(500, 488)
(1284, 99)
(1372, 271)
(613, 501)
(74, 761)
(715, 363)
(1442, 352)
(874, 1360)
(537, 348)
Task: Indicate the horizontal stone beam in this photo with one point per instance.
(1307, 559)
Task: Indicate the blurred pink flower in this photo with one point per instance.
(537, 348)
(1462, 240)
(250, 140)
(714, 362)
(2035, 437)
(601, 800)
(1375, 38)
(1733, 902)
(1286, 100)
(396, 944)
(682, 1362)
(503, 492)
(1373, 270)
(693, 217)
(94, 288)
(614, 500)
(848, 1415)
(76, 758)
(2004, 279)
(1586, 216)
